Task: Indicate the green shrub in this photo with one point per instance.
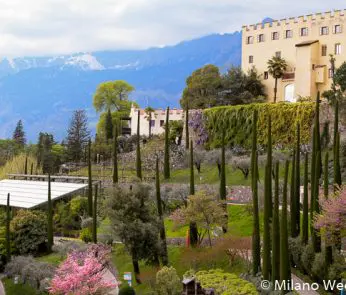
(337, 269)
(225, 283)
(308, 257)
(296, 248)
(318, 269)
(237, 123)
(168, 282)
(29, 232)
(127, 290)
(86, 235)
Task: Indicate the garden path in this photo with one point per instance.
(299, 281)
(2, 289)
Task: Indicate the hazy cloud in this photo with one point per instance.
(49, 27)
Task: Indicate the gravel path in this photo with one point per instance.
(297, 280)
(2, 289)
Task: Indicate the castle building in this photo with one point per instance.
(157, 122)
(305, 43)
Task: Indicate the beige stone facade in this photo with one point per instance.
(305, 42)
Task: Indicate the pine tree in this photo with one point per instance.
(293, 203)
(115, 156)
(187, 135)
(94, 229)
(305, 227)
(275, 230)
(19, 134)
(193, 230)
(8, 234)
(166, 168)
(256, 239)
(50, 217)
(109, 125)
(285, 270)
(164, 255)
(297, 182)
(138, 150)
(90, 188)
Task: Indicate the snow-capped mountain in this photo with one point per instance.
(43, 91)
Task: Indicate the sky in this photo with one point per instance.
(52, 27)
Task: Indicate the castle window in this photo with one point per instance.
(275, 36)
(324, 50)
(304, 31)
(250, 40)
(266, 75)
(162, 122)
(288, 34)
(278, 54)
(330, 73)
(337, 29)
(337, 49)
(324, 31)
(152, 123)
(250, 59)
(260, 38)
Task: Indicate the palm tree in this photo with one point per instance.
(276, 68)
(149, 113)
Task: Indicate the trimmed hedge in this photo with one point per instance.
(237, 123)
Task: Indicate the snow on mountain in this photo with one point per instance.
(85, 61)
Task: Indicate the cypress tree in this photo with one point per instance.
(90, 188)
(336, 163)
(164, 255)
(138, 150)
(32, 169)
(305, 227)
(285, 270)
(8, 234)
(336, 122)
(275, 230)
(109, 125)
(223, 193)
(94, 229)
(297, 182)
(328, 250)
(115, 156)
(26, 165)
(187, 135)
(256, 239)
(193, 230)
(266, 228)
(270, 167)
(50, 216)
(166, 168)
(293, 203)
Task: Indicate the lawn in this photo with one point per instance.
(19, 289)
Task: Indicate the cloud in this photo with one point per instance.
(50, 27)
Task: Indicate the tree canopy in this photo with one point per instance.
(19, 134)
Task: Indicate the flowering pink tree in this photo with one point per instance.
(81, 273)
(332, 219)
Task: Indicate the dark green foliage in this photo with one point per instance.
(316, 238)
(187, 135)
(77, 135)
(223, 171)
(166, 167)
(269, 191)
(337, 167)
(192, 173)
(50, 217)
(266, 228)
(256, 239)
(19, 134)
(127, 290)
(138, 150)
(276, 230)
(90, 185)
(115, 155)
(305, 226)
(237, 123)
(297, 182)
(26, 165)
(336, 122)
(48, 157)
(32, 169)
(7, 233)
(109, 125)
(285, 270)
(325, 137)
(94, 225)
(164, 254)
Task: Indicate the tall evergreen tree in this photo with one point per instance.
(32, 169)
(164, 255)
(266, 260)
(336, 122)
(223, 190)
(187, 134)
(50, 216)
(305, 226)
(166, 168)
(293, 203)
(336, 163)
(270, 167)
(26, 165)
(256, 239)
(285, 270)
(77, 135)
(94, 229)
(8, 233)
(275, 230)
(193, 230)
(90, 186)
(19, 134)
(297, 181)
(138, 150)
(109, 125)
(115, 156)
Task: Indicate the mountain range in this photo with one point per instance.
(44, 91)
